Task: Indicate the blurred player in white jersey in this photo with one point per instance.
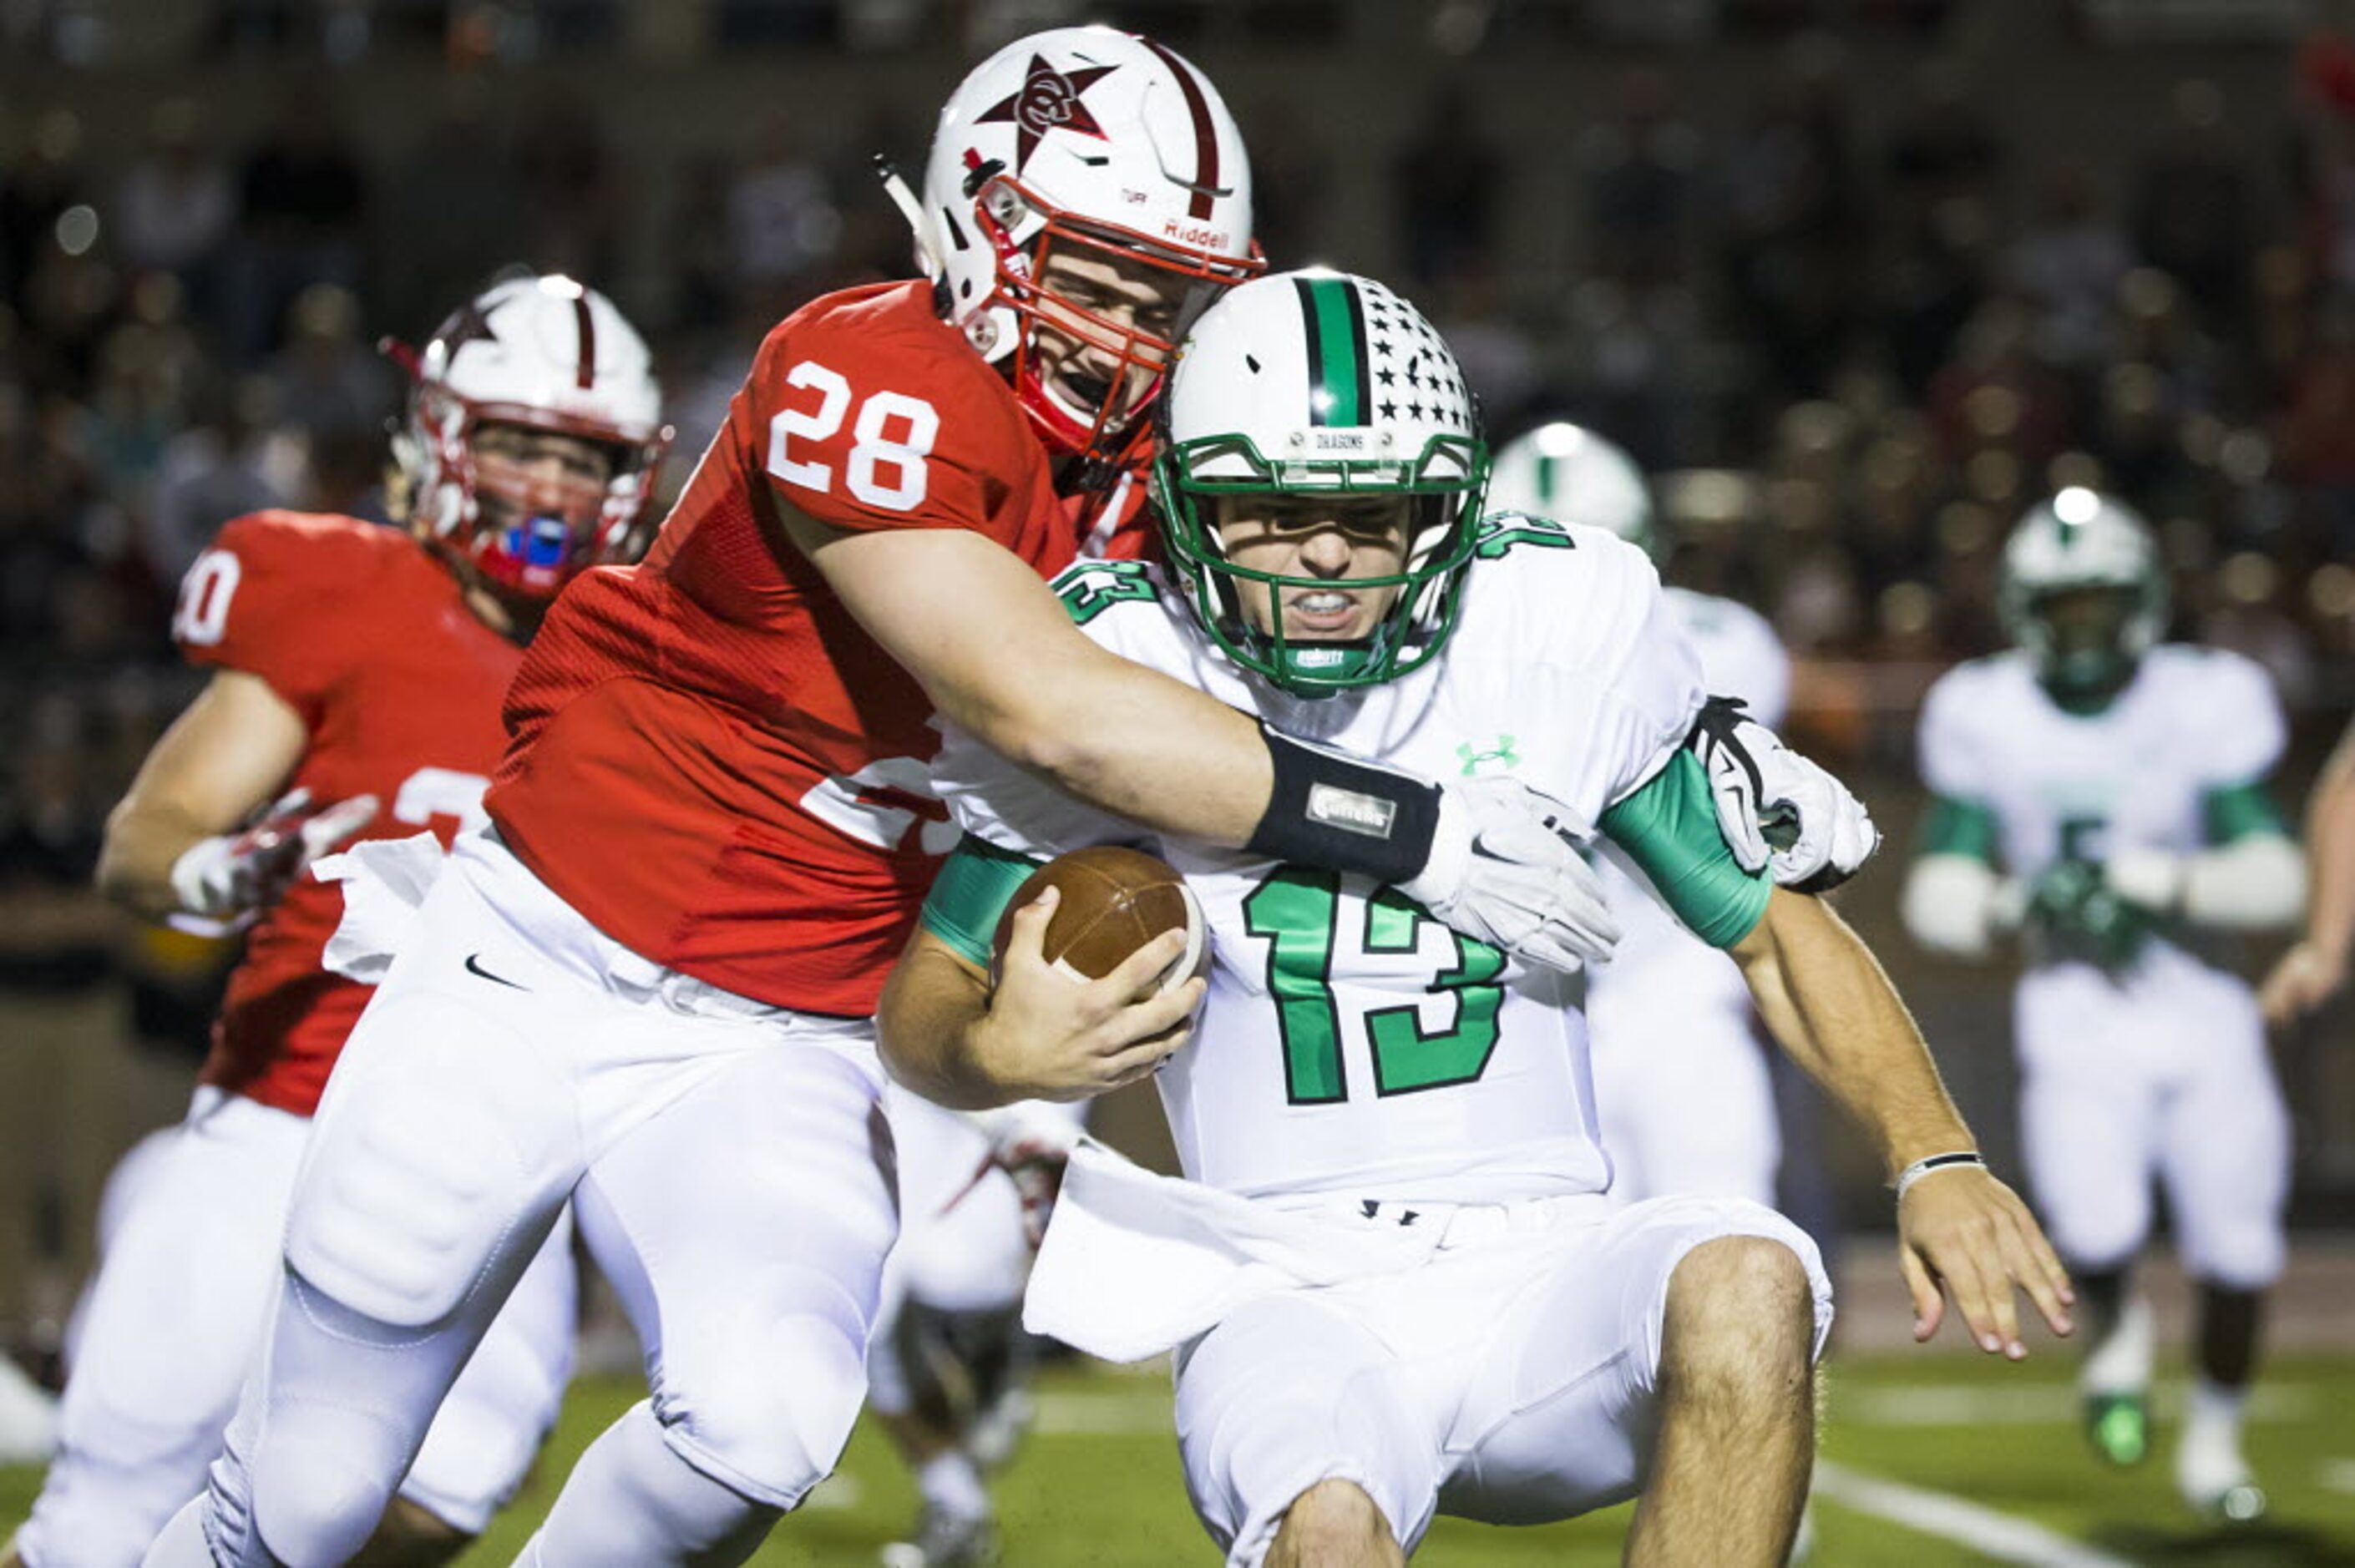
(1681, 1080)
(1394, 1282)
(2105, 794)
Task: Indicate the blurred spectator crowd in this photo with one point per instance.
(1853, 355)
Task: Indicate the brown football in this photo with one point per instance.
(1114, 901)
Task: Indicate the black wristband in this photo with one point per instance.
(1331, 811)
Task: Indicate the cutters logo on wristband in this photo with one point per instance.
(1351, 812)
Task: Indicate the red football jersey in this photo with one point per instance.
(710, 759)
(366, 636)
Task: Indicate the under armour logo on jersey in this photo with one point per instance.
(1049, 101)
(1502, 754)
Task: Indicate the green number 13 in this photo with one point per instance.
(1298, 911)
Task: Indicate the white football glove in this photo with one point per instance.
(236, 875)
(1505, 869)
(1778, 811)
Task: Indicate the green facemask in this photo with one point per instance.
(1443, 486)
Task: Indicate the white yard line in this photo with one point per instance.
(1998, 1535)
(2338, 1475)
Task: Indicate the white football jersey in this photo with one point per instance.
(1740, 657)
(2192, 722)
(1350, 1044)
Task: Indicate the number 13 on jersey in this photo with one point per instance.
(1299, 912)
(890, 441)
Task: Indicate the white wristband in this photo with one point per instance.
(1921, 1168)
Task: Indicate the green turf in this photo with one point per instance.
(1098, 1483)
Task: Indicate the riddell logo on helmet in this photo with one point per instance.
(1195, 234)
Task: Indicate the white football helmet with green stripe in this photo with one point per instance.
(1322, 382)
(1568, 473)
(2097, 552)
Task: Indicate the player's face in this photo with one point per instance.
(521, 472)
(1104, 318)
(2086, 623)
(1329, 540)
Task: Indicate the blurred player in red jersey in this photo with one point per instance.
(649, 986)
(359, 672)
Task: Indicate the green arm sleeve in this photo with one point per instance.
(2241, 812)
(1952, 826)
(974, 885)
(1669, 829)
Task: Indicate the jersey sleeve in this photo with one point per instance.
(878, 429)
(2239, 712)
(1656, 690)
(969, 896)
(1668, 829)
(1953, 757)
(269, 597)
(2243, 733)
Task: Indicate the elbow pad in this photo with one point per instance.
(2253, 884)
(1950, 904)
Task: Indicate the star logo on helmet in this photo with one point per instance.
(1048, 100)
(468, 324)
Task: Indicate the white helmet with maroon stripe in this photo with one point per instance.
(1090, 139)
(543, 353)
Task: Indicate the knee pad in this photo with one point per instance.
(321, 1478)
(767, 1407)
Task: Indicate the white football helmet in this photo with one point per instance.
(1320, 381)
(1090, 139)
(2082, 540)
(546, 354)
(1570, 474)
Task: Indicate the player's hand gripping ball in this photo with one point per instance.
(1114, 901)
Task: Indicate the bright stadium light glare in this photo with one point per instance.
(2076, 505)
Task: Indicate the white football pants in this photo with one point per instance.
(2159, 1073)
(730, 1171)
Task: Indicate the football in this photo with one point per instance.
(1114, 901)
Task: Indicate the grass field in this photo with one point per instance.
(1098, 1482)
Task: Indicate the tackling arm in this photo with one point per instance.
(998, 656)
(228, 755)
